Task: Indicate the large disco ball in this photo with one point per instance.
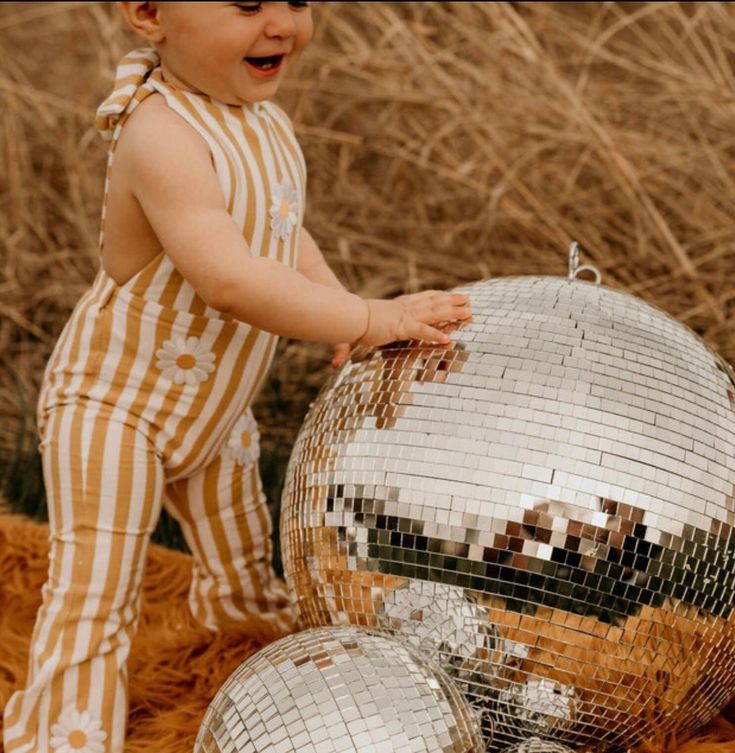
(547, 507)
(338, 690)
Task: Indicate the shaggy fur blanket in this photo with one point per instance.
(176, 665)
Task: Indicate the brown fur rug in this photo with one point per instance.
(176, 666)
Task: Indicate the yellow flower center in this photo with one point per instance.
(245, 439)
(186, 361)
(77, 739)
(285, 208)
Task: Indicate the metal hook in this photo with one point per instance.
(575, 267)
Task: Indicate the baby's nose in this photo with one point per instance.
(280, 22)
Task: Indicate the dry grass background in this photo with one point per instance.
(446, 142)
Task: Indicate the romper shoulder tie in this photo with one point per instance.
(132, 73)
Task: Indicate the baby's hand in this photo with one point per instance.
(410, 317)
(340, 355)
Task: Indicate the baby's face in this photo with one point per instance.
(234, 52)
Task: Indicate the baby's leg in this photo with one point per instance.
(104, 485)
(225, 520)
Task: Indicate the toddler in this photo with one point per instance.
(145, 399)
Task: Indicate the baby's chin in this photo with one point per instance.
(241, 92)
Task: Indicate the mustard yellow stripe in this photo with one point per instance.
(74, 333)
(280, 245)
(237, 372)
(84, 546)
(133, 337)
(145, 505)
(256, 150)
(232, 172)
(213, 506)
(173, 393)
(123, 81)
(180, 496)
(261, 534)
(139, 282)
(197, 306)
(135, 58)
(101, 338)
(123, 498)
(51, 466)
(220, 345)
(171, 289)
(244, 535)
(288, 145)
(244, 172)
(81, 508)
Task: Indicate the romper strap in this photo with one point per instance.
(128, 91)
(132, 86)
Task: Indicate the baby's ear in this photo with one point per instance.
(145, 19)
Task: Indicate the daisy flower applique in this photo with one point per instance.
(77, 732)
(284, 210)
(185, 360)
(244, 441)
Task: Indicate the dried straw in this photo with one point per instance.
(445, 141)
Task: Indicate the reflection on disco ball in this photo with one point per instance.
(568, 467)
(341, 690)
(537, 706)
(442, 623)
(536, 745)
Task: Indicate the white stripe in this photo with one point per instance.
(129, 69)
(221, 376)
(291, 169)
(259, 202)
(120, 713)
(82, 628)
(40, 675)
(297, 168)
(125, 614)
(62, 351)
(63, 437)
(198, 597)
(239, 193)
(78, 376)
(212, 557)
(271, 172)
(109, 107)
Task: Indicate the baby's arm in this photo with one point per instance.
(313, 265)
(169, 171)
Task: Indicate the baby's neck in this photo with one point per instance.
(170, 78)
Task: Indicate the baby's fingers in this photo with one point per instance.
(340, 355)
(442, 307)
(447, 313)
(421, 331)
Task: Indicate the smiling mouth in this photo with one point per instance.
(266, 63)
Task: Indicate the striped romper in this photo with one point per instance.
(145, 401)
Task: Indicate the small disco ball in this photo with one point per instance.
(338, 690)
(564, 473)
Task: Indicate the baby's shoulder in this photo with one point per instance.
(153, 127)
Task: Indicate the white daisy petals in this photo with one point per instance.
(185, 360)
(77, 732)
(244, 440)
(285, 209)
